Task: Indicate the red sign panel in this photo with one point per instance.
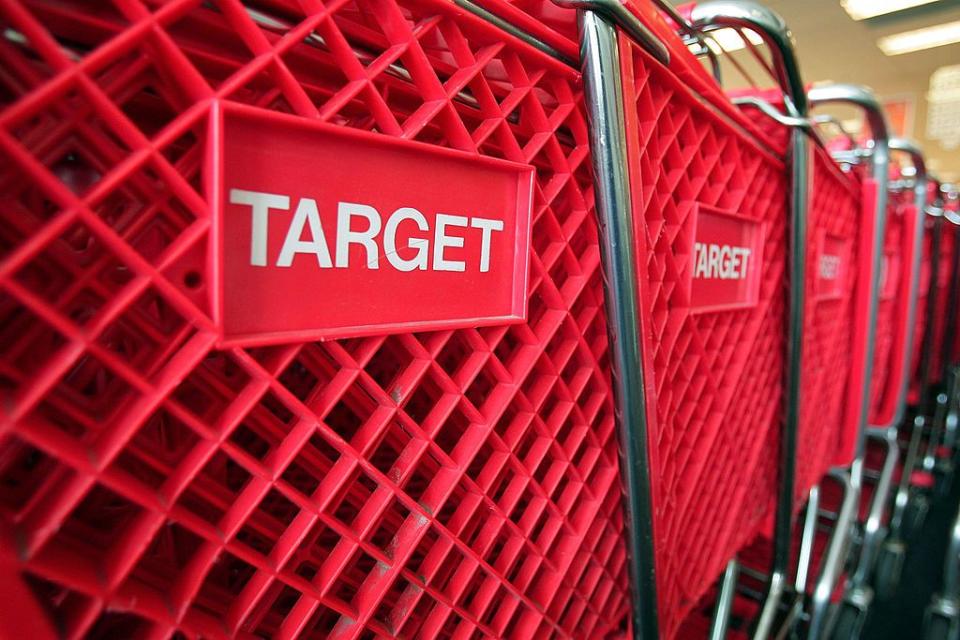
(326, 232)
(832, 263)
(727, 256)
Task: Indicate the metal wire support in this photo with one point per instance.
(604, 98)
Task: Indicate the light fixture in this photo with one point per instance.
(863, 9)
(920, 39)
(729, 40)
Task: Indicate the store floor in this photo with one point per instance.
(901, 617)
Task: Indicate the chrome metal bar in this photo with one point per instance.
(807, 537)
(834, 121)
(603, 90)
(902, 496)
(783, 523)
(520, 34)
(873, 526)
(836, 553)
(721, 612)
(770, 111)
(743, 14)
(618, 14)
(698, 37)
(771, 606)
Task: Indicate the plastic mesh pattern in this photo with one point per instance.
(834, 224)
(448, 484)
(716, 377)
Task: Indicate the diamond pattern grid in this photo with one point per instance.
(450, 484)
(718, 376)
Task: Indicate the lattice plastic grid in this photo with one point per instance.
(717, 376)
(458, 484)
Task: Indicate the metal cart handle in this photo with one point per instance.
(862, 97)
(743, 14)
(618, 13)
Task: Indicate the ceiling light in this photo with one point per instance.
(920, 39)
(729, 40)
(863, 9)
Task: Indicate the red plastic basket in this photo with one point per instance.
(447, 484)
(716, 370)
(840, 224)
(892, 330)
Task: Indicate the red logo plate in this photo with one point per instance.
(832, 262)
(727, 257)
(327, 232)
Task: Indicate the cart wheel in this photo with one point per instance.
(889, 568)
(937, 626)
(915, 514)
(849, 622)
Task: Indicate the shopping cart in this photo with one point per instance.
(403, 483)
(913, 484)
(846, 214)
(411, 483)
(896, 319)
(712, 357)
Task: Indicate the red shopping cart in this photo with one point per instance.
(713, 351)
(897, 291)
(427, 483)
(846, 213)
(416, 482)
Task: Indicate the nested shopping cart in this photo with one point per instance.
(897, 301)
(422, 483)
(161, 476)
(846, 214)
(918, 433)
(680, 159)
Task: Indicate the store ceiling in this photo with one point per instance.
(834, 47)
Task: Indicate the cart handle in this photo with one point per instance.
(864, 98)
(744, 14)
(618, 13)
(912, 149)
